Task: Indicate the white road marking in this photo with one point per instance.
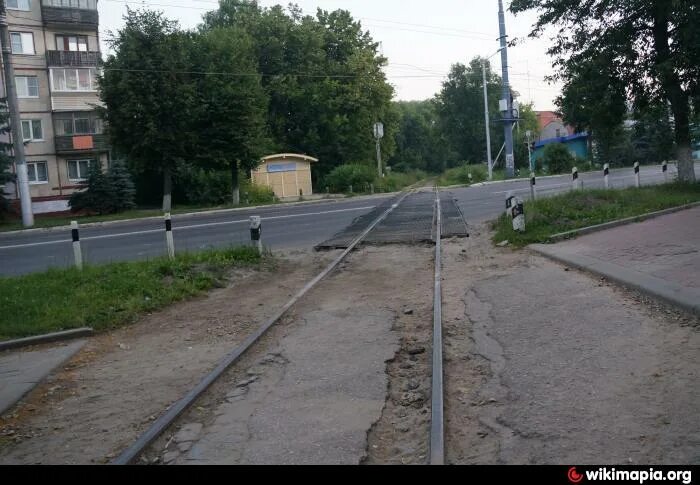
(182, 228)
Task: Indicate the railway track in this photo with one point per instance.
(404, 219)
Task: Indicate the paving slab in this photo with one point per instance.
(660, 256)
(21, 371)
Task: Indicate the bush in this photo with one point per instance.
(105, 192)
(395, 181)
(354, 175)
(461, 175)
(205, 187)
(557, 158)
(255, 194)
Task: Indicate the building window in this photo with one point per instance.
(22, 42)
(19, 5)
(85, 123)
(78, 169)
(558, 134)
(72, 43)
(32, 130)
(84, 4)
(38, 172)
(27, 86)
(73, 80)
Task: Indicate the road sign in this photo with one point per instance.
(378, 131)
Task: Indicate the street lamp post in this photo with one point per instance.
(486, 113)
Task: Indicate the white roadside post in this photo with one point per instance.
(606, 175)
(533, 192)
(664, 169)
(256, 232)
(170, 243)
(637, 182)
(575, 181)
(509, 203)
(77, 252)
(518, 214)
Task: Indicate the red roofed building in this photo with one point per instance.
(552, 126)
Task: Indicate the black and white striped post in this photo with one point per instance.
(509, 203)
(575, 181)
(606, 175)
(664, 169)
(77, 251)
(170, 243)
(637, 182)
(256, 232)
(533, 192)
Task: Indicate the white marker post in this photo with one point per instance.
(256, 232)
(664, 169)
(606, 175)
(518, 213)
(169, 236)
(533, 192)
(637, 182)
(509, 203)
(575, 181)
(77, 252)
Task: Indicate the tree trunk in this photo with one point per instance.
(167, 190)
(235, 186)
(671, 84)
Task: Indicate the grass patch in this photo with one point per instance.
(107, 296)
(576, 209)
(479, 173)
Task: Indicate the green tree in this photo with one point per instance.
(652, 48)
(229, 111)
(528, 122)
(460, 109)
(419, 143)
(149, 95)
(323, 78)
(97, 194)
(121, 185)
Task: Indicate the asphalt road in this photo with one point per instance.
(284, 227)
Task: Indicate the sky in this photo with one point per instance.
(420, 38)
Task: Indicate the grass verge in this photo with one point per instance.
(111, 295)
(574, 210)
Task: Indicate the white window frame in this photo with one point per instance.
(81, 177)
(27, 40)
(31, 129)
(78, 38)
(28, 2)
(92, 78)
(31, 168)
(26, 86)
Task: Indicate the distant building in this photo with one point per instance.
(577, 145)
(56, 55)
(287, 174)
(552, 126)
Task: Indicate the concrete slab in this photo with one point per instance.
(21, 371)
(660, 257)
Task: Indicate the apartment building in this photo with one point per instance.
(56, 54)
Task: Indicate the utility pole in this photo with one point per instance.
(486, 113)
(506, 102)
(486, 120)
(378, 135)
(15, 121)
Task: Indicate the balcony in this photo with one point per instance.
(75, 144)
(72, 59)
(70, 13)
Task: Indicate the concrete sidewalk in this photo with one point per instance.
(660, 256)
(21, 370)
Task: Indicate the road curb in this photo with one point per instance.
(194, 214)
(47, 338)
(665, 291)
(620, 222)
